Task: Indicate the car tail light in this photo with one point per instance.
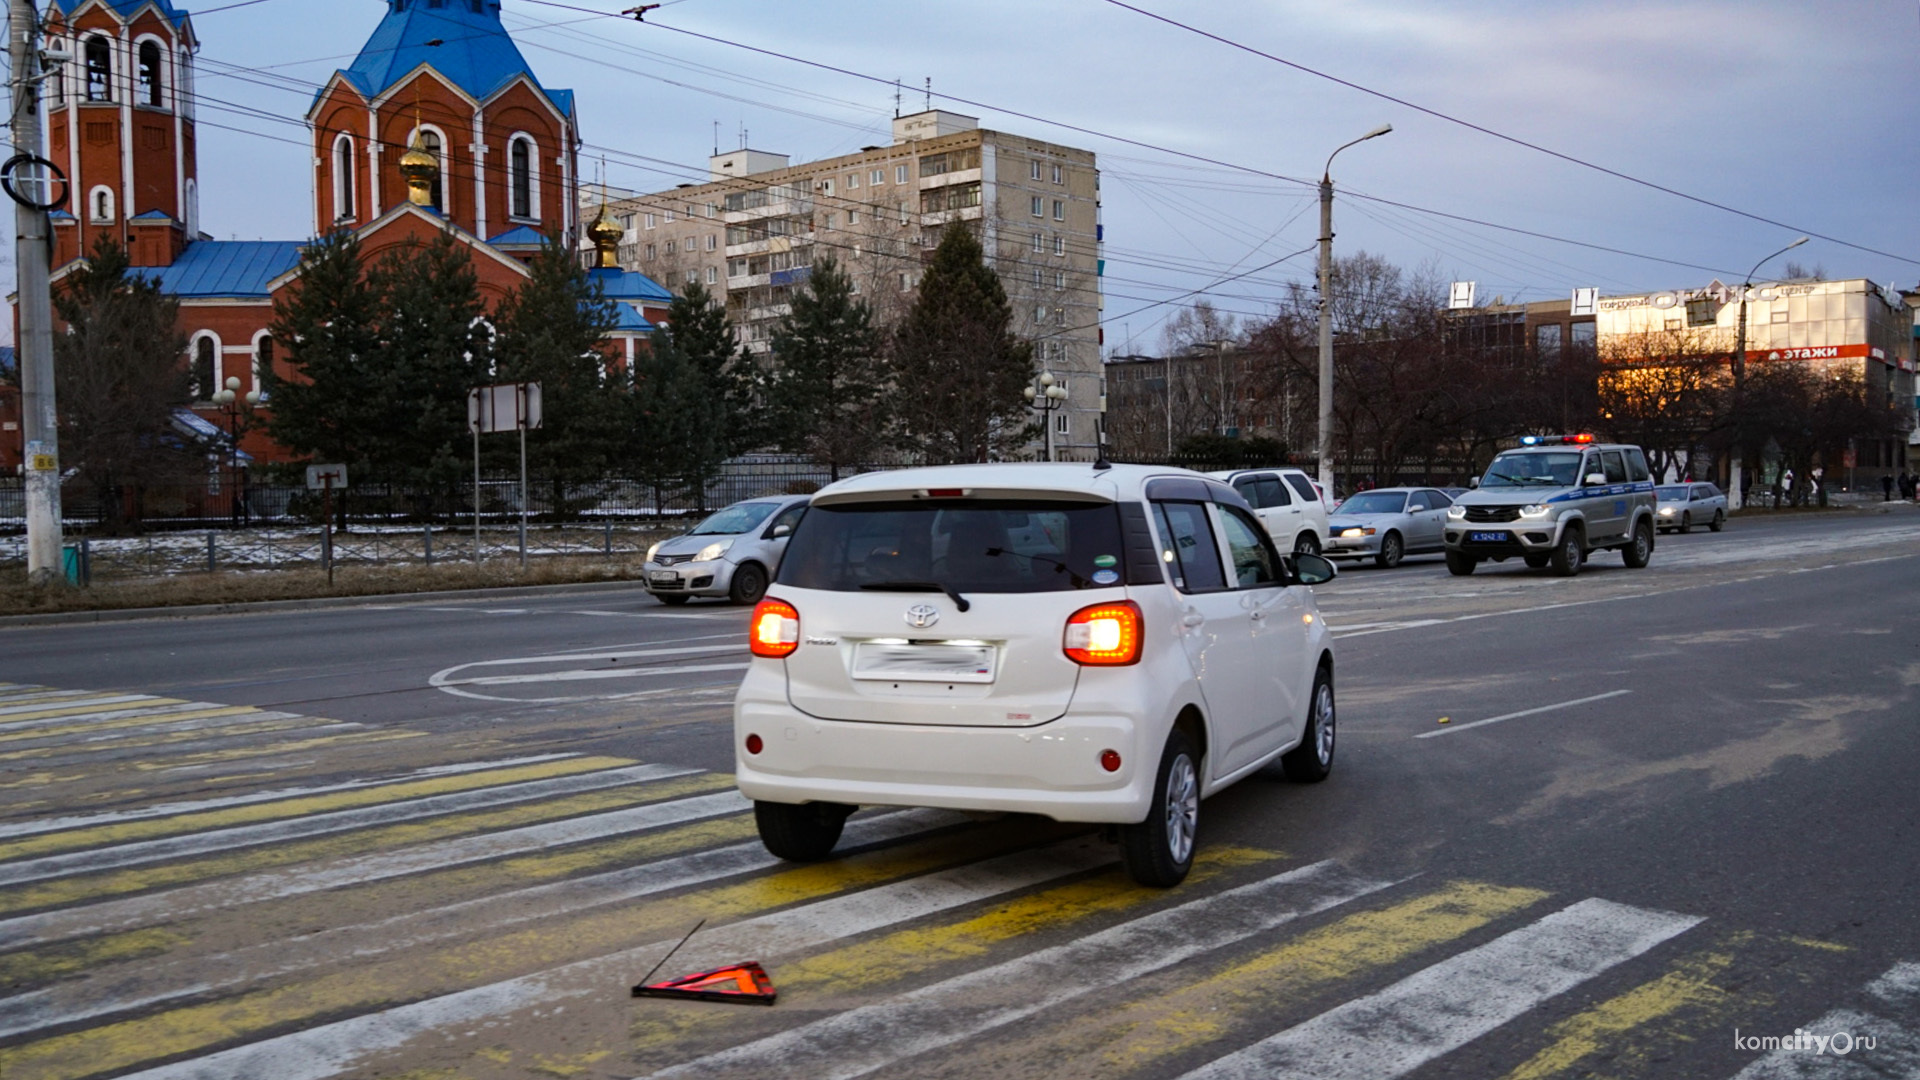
(775, 630)
(1105, 634)
(755, 744)
(1110, 760)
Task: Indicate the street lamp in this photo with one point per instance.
(229, 400)
(1050, 395)
(1326, 309)
(1734, 497)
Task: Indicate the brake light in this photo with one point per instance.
(775, 630)
(1105, 634)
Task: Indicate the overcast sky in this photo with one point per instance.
(1785, 109)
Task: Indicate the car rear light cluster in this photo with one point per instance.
(775, 630)
(1105, 634)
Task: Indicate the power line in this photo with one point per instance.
(1502, 136)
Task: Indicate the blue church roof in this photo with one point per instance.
(630, 321)
(519, 236)
(630, 286)
(228, 268)
(126, 8)
(463, 40)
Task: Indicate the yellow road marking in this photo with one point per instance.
(273, 749)
(127, 722)
(18, 970)
(60, 892)
(124, 831)
(1689, 985)
(364, 987)
(75, 710)
(136, 742)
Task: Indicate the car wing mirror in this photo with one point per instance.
(1310, 569)
(1595, 479)
(782, 530)
(1473, 482)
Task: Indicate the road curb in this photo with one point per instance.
(189, 611)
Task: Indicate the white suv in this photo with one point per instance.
(1086, 643)
(1287, 502)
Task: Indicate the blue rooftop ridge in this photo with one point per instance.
(630, 321)
(475, 52)
(629, 285)
(228, 268)
(126, 8)
(153, 215)
(519, 236)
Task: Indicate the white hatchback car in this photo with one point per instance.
(1086, 643)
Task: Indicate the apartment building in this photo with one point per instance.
(754, 230)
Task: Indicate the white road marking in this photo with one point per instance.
(110, 750)
(347, 1045)
(1443, 1007)
(75, 1001)
(156, 711)
(878, 1037)
(83, 821)
(160, 726)
(448, 680)
(201, 843)
(1524, 712)
(1893, 1025)
(99, 701)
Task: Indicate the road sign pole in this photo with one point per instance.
(476, 487)
(326, 524)
(39, 416)
(523, 495)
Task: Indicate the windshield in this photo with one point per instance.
(1375, 502)
(738, 518)
(1532, 470)
(965, 546)
(1673, 494)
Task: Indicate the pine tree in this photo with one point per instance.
(959, 370)
(552, 330)
(672, 442)
(826, 392)
(118, 377)
(326, 323)
(698, 326)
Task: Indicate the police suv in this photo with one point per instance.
(1553, 500)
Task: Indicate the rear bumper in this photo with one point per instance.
(1052, 770)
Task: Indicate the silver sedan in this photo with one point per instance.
(1387, 524)
(1682, 506)
(733, 553)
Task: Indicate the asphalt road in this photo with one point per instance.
(1670, 810)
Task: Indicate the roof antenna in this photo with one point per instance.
(716, 138)
(896, 99)
(929, 93)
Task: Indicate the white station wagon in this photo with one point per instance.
(1104, 644)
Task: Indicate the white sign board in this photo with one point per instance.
(505, 407)
(1461, 296)
(1586, 301)
(319, 475)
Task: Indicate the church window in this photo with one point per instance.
(100, 205)
(262, 360)
(99, 69)
(206, 353)
(521, 157)
(344, 204)
(152, 78)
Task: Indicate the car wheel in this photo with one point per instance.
(1686, 524)
(672, 599)
(1538, 560)
(1719, 521)
(749, 584)
(1306, 544)
(1159, 851)
(803, 833)
(1312, 760)
(1460, 564)
(1569, 553)
(1640, 552)
(1391, 551)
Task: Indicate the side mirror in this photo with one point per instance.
(1595, 479)
(782, 530)
(1314, 569)
(1473, 482)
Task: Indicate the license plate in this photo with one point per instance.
(1488, 537)
(899, 662)
(664, 577)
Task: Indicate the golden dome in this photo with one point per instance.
(606, 235)
(422, 170)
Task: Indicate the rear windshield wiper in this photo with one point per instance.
(919, 586)
(1058, 566)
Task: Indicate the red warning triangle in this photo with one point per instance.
(743, 984)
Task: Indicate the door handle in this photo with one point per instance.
(1192, 618)
(1257, 614)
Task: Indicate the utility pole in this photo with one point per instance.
(1734, 499)
(1325, 439)
(39, 417)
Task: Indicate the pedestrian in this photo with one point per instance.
(1746, 487)
(1886, 488)
(1786, 486)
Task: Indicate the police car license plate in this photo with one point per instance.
(1488, 537)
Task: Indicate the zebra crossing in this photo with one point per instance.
(464, 907)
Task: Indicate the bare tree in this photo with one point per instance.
(1665, 391)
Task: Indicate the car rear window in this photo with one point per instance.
(999, 546)
(1302, 485)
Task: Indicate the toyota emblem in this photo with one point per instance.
(921, 616)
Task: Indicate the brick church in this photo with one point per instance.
(438, 125)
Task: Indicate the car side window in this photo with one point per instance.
(1273, 493)
(1591, 466)
(790, 517)
(1417, 502)
(1187, 546)
(1249, 489)
(1637, 466)
(1616, 467)
(1440, 499)
(1302, 485)
(1255, 564)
